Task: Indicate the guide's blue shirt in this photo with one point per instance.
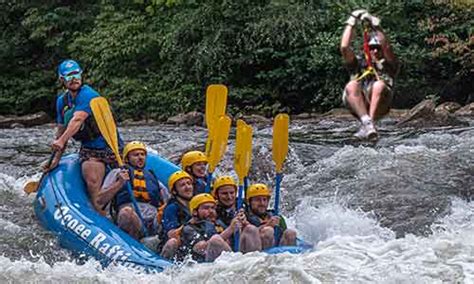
(81, 103)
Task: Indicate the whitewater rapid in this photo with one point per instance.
(395, 212)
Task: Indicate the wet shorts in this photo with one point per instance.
(104, 155)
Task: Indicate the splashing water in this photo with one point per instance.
(396, 212)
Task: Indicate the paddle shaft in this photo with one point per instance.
(50, 161)
(277, 193)
(239, 206)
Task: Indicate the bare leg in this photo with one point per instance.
(93, 172)
(215, 246)
(128, 221)
(267, 237)
(288, 238)
(170, 248)
(250, 239)
(380, 100)
(200, 247)
(355, 100)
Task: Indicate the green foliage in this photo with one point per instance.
(154, 58)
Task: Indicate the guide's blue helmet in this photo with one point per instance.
(67, 67)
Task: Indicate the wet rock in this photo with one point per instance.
(305, 116)
(467, 110)
(338, 114)
(397, 113)
(447, 107)
(189, 119)
(26, 120)
(256, 119)
(424, 115)
(17, 125)
(131, 122)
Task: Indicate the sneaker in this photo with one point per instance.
(362, 133)
(367, 131)
(371, 131)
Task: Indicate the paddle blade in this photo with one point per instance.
(219, 141)
(31, 186)
(106, 123)
(280, 140)
(216, 103)
(243, 150)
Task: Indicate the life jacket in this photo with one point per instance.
(224, 215)
(258, 221)
(199, 186)
(89, 129)
(201, 230)
(183, 215)
(145, 188)
(378, 70)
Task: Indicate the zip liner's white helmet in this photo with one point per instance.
(374, 41)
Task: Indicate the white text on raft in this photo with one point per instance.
(98, 240)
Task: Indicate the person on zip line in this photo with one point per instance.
(224, 190)
(75, 120)
(176, 213)
(368, 95)
(149, 193)
(195, 164)
(258, 197)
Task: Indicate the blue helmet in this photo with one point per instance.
(67, 67)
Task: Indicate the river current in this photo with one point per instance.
(398, 211)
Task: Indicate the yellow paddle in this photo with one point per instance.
(216, 102)
(218, 147)
(106, 124)
(243, 150)
(279, 151)
(242, 161)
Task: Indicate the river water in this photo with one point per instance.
(394, 212)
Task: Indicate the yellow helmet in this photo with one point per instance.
(221, 181)
(192, 157)
(258, 189)
(134, 145)
(174, 177)
(199, 199)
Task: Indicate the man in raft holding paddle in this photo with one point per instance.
(368, 95)
(75, 120)
(273, 230)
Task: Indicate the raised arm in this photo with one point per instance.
(345, 48)
(348, 36)
(388, 53)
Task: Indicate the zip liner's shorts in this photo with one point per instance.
(366, 89)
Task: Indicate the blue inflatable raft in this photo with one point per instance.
(63, 207)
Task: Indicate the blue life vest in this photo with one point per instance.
(174, 215)
(199, 186)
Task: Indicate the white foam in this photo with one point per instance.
(351, 248)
